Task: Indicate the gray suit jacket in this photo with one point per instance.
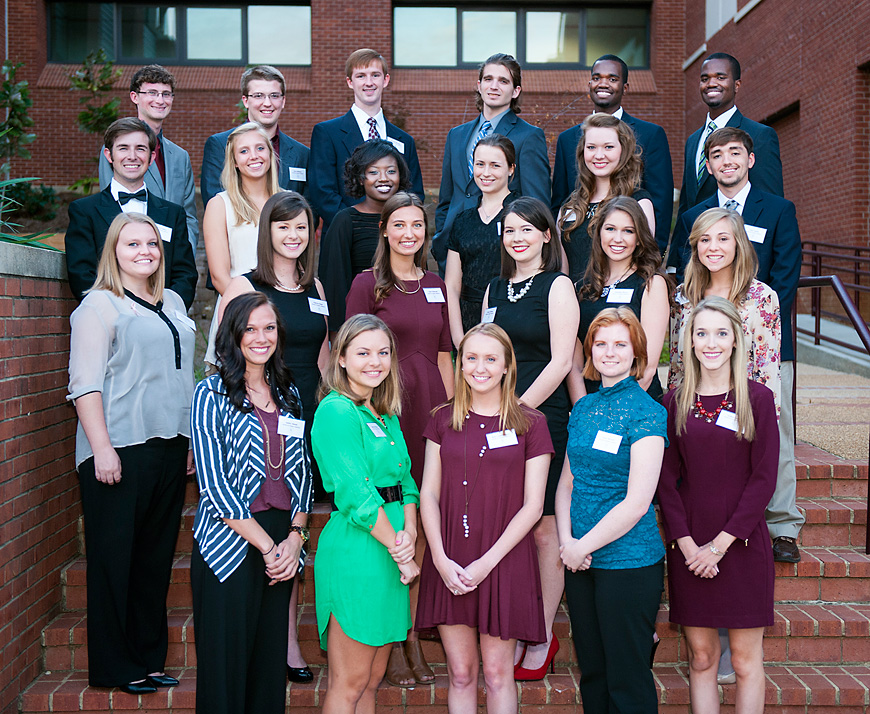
(179, 188)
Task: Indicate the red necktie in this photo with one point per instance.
(373, 129)
(161, 163)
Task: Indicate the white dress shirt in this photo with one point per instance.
(134, 205)
(720, 121)
(362, 120)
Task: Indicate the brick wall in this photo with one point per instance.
(39, 497)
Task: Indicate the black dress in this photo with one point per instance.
(589, 310)
(578, 244)
(527, 324)
(479, 247)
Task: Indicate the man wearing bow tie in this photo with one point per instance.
(129, 148)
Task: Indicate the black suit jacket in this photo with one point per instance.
(765, 175)
(332, 143)
(658, 171)
(779, 256)
(89, 220)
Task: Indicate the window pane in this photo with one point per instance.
(485, 33)
(279, 35)
(148, 32)
(77, 28)
(552, 37)
(622, 32)
(424, 36)
(214, 33)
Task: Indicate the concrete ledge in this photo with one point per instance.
(26, 261)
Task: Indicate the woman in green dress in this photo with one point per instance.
(365, 555)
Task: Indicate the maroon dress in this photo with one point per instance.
(712, 482)
(422, 331)
(507, 604)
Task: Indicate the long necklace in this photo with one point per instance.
(512, 296)
(709, 417)
(280, 464)
(468, 493)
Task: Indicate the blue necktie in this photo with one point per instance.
(485, 130)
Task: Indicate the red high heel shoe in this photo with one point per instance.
(519, 665)
(522, 674)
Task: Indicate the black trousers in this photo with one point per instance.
(130, 533)
(240, 627)
(613, 615)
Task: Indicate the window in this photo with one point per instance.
(541, 36)
(172, 34)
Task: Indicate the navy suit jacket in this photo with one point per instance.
(658, 172)
(332, 143)
(765, 175)
(779, 256)
(89, 220)
(458, 190)
(293, 156)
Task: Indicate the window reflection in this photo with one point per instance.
(424, 36)
(279, 35)
(77, 28)
(213, 33)
(485, 33)
(553, 37)
(621, 32)
(148, 32)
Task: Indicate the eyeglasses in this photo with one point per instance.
(259, 96)
(154, 94)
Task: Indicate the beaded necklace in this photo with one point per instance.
(710, 417)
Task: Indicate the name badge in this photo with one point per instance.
(727, 420)
(185, 320)
(297, 173)
(498, 228)
(318, 306)
(433, 294)
(621, 295)
(376, 429)
(605, 441)
(755, 233)
(489, 315)
(288, 426)
(165, 232)
(498, 439)
(400, 145)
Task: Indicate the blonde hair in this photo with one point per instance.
(688, 387)
(611, 316)
(108, 270)
(231, 178)
(511, 412)
(387, 396)
(745, 264)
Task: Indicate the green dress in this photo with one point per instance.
(357, 579)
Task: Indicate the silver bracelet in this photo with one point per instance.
(715, 551)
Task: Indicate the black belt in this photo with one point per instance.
(390, 494)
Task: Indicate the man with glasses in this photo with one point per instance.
(170, 175)
(263, 97)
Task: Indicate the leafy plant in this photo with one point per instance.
(37, 202)
(14, 131)
(85, 185)
(7, 227)
(96, 77)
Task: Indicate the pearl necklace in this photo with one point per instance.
(512, 296)
(709, 417)
(465, 527)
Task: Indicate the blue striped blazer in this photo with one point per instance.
(230, 467)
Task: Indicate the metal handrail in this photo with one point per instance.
(815, 282)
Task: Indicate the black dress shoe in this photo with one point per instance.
(300, 675)
(785, 550)
(135, 688)
(162, 680)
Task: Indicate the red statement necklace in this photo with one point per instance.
(701, 413)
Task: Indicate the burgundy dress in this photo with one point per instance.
(507, 604)
(712, 482)
(422, 331)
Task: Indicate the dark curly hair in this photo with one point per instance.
(366, 154)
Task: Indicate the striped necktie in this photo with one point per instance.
(702, 161)
(485, 130)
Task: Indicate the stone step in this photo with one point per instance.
(834, 522)
(800, 689)
(823, 475)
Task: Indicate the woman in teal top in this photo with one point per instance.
(365, 555)
(610, 543)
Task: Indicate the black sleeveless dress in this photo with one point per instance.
(527, 324)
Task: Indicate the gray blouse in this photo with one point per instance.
(126, 350)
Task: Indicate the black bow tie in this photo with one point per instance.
(140, 195)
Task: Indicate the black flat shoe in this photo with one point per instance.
(162, 680)
(135, 688)
(300, 675)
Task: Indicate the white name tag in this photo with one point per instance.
(433, 294)
(621, 295)
(727, 420)
(400, 145)
(318, 306)
(605, 441)
(185, 320)
(376, 429)
(489, 314)
(498, 228)
(288, 426)
(498, 439)
(756, 233)
(297, 174)
(165, 232)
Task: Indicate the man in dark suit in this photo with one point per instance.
(170, 176)
(129, 148)
(499, 86)
(720, 82)
(263, 97)
(607, 85)
(333, 141)
(772, 228)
